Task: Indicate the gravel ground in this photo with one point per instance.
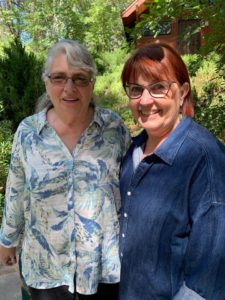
(10, 284)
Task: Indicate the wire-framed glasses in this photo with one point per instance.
(77, 80)
(156, 90)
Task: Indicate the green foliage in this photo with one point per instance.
(193, 63)
(209, 95)
(108, 61)
(6, 137)
(20, 83)
(40, 23)
(2, 200)
(104, 26)
(108, 88)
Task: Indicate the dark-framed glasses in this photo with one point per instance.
(156, 90)
(77, 80)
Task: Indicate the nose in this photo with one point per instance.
(146, 98)
(69, 84)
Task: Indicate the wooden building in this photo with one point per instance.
(169, 32)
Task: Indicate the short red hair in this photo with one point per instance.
(159, 61)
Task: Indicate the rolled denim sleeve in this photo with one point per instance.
(187, 294)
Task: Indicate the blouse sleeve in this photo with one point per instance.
(13, 215)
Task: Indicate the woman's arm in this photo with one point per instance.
(13, 216)
(204, 262)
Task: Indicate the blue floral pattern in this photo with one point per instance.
(66, 204)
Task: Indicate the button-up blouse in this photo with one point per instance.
(66, 204)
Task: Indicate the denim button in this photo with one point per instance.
(128, 193)
(125, 215)
(123, 235)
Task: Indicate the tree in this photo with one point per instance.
(10, 21)
(104, 23)
(20, 82)
(40, 23)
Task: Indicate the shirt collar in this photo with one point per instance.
(167, 151)
(97, 117)
(41, 120)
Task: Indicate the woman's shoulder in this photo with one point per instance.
(107, 114)
(33, 122)
(109, 119)
(204, 139)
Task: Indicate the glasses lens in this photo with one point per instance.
(81, 81)
(159, 89)
(61, 80)
(57, 79)
(134, 90)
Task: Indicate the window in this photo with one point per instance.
(163, 28)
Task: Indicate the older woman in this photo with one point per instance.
(172, 240)
(62, 188)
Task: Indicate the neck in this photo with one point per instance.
(69, 130)
(151, 145)
(69, 121)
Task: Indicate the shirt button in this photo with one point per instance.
(125, 215)
(128, 193)
(123, 235)
(121, 254)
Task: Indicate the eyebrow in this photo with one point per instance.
(74, 74)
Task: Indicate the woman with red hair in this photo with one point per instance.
(172, 238)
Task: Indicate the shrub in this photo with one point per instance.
(110, 94)
(193, 63)
(20, 82)
(6, 138)
(108, 61)
(2, 200)
(209, 96)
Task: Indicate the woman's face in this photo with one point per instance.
(158, 116)
(71, 98)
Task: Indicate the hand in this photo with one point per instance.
(8, 256)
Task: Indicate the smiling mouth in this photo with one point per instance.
(71, 100)
(149, 113)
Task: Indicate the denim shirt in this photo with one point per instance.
(172, 238)
(66, 203)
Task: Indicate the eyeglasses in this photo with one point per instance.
(61, 80)
(156, 90)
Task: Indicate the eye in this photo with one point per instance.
(135, 90)
(159, 88)
(57, 78)
(81, 81)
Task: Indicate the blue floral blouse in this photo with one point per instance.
(66, 204)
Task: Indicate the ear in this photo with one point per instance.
(183, 92)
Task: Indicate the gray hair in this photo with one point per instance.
(77, 56)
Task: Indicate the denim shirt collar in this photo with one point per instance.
(167, 151)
